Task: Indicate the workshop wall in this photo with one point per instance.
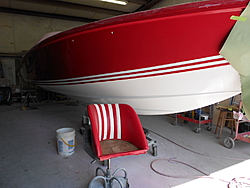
(19, 32)
(8, 65)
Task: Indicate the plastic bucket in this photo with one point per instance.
(66, 141)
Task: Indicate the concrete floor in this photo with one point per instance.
(29, 158)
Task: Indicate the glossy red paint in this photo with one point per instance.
(135, 41)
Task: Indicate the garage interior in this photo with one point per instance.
(29, 156)
(28, 151)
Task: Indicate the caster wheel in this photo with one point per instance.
(209, 128)
(154, 150)
(229, 142)
(127, 185)
(174, 123)
(105, 163)
(81, 130)
(197, 130)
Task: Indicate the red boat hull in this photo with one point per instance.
(137, 46)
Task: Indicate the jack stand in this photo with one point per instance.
(151, 142)
(27, 97)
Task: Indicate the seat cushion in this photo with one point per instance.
(116, 146)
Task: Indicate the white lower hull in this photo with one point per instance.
(165, 94)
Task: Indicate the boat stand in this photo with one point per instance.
(200, 121)
(29, 96)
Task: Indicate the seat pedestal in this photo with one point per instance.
(108, 180)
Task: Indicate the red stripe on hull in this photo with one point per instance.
(107, 79)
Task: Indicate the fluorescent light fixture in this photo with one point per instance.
(119, 2)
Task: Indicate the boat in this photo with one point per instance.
(160, 61)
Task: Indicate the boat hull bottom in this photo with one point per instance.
(165, 94)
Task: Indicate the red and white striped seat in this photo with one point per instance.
(116, 122)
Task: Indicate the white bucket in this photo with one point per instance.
(66, 141)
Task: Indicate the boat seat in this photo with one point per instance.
(114, 130)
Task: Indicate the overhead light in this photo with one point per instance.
(119, 2)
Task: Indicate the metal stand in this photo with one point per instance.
(109, 180)
(199, 121)
(151, 143)
(27, 97)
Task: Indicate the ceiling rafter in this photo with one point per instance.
(144, 5)
(76, 6)
(142, 2)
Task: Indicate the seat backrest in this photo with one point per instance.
(109, 121)
(116, 122)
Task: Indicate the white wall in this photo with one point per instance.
(20, 32)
